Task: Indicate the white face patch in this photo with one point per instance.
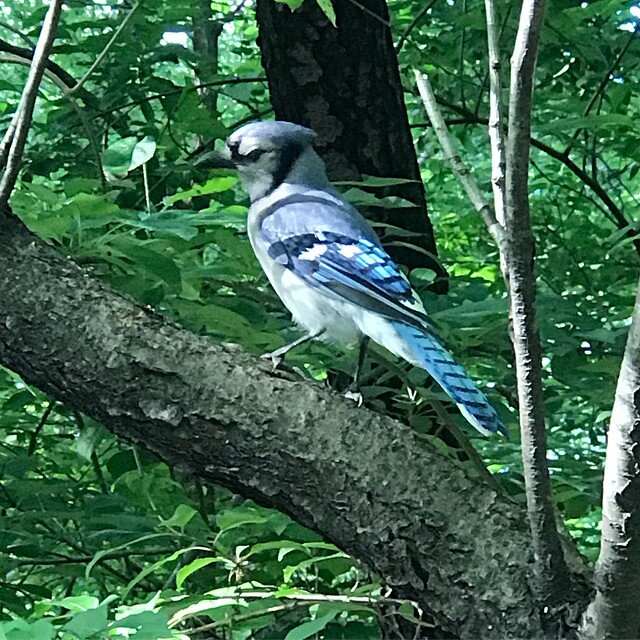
(313, 253)
(249, 144)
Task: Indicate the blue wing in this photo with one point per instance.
(329, 245)
(353, 268)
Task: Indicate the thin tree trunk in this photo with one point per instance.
(344, 83)
(551, 568)
(615, 610)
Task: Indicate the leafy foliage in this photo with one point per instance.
(103, 541)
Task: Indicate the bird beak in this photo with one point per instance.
(221, 159)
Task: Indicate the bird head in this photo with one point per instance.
(268, 153)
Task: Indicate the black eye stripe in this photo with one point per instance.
(254, 155)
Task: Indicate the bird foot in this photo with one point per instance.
(356, 396)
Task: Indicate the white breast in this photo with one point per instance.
(310, 308)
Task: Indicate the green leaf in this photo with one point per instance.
(22, 630)
(587, 122)
(192, 567)
(328, 10)
(292, 4)
(375, 181)
(310, 628)
(213, 185)
(88, 623)
(142, 152)
(148, 625)
(116, 158)
(181, 516)
(238, 517)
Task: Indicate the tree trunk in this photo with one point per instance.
(367, 483)
(614, 613)
(344, 83)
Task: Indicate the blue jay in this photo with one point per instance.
(327, 264)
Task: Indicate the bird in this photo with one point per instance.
(327, 264)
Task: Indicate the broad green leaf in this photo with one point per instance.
(213, 185)
(328, 10)
(142, 152)
(181, 516)
(116, 158)
(86, 624)
(192, 567)
(310, 628)
(292, 4)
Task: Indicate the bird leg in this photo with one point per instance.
(277, 356)
(353, 393)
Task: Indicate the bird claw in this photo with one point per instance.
(356, 396)
(276, 360)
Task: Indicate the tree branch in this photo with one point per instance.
(452, 156)
(413, 24)
(103, 53)
(615, 610)
(65, 77)
(603, 83)
(616, 213)
(12, 145)
(438, 536)
(84, 121)
(496, 117)
(550, 565)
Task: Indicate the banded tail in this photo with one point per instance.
(421, 348)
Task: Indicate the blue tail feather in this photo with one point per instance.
(423, 349)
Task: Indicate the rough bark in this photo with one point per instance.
(551, 568)
(344, 82)
(615, 610)
(363, 481)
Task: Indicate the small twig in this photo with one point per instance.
(33, 440)
(27, 39)
(84, 121)
(174, 92)
(368, 11)
(243, 617)
(603, 83)
(85, 559)
(414, 23)
(108, 46)
(145, 180)
(15, 138)
(64, 76)
(615, 211)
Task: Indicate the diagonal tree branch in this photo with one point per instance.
(438, 536)
(614, 210)
(452, 156)
(15, 138)
(96, 63)
(615, 610)
(551, 568)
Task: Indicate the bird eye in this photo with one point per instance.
(254, 155)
